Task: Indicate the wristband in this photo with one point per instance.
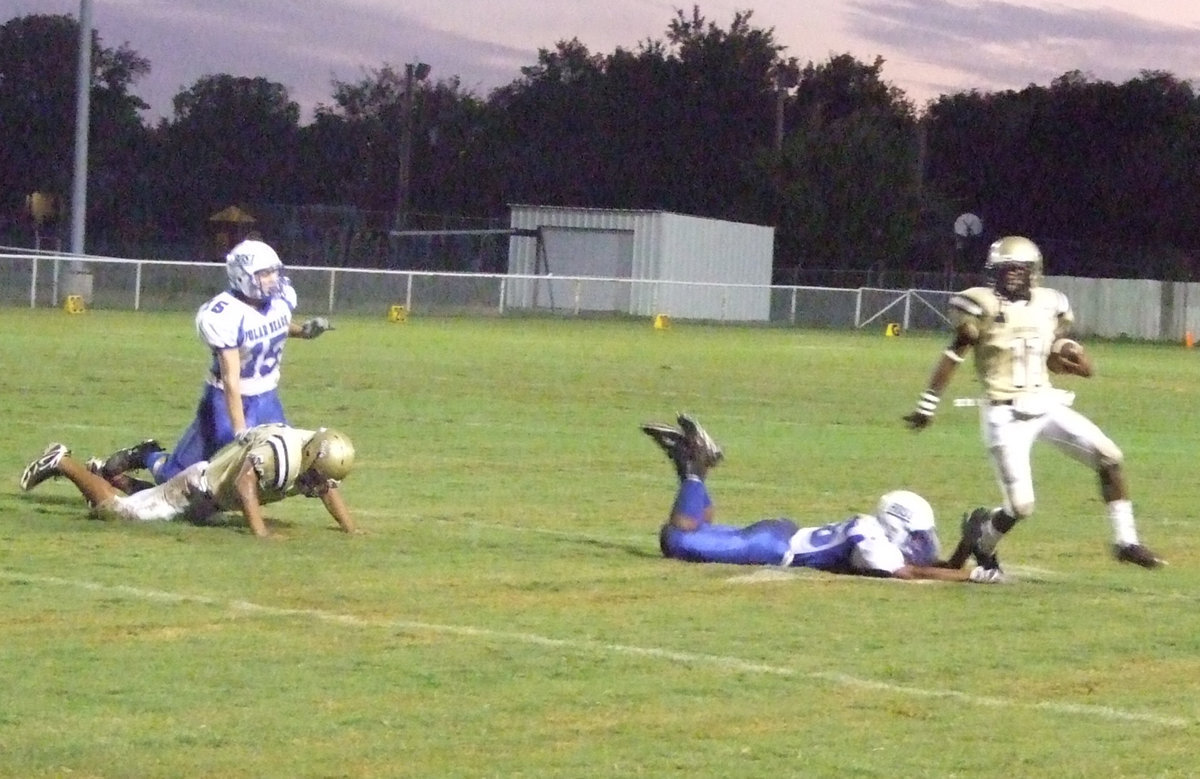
(953, 356)
(928, 402)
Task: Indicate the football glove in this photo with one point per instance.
(922, 416)
(981, 575)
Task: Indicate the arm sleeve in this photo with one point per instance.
(874, 552)
(1066, 317)
(966, 313)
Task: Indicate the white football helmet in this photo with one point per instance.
(245, 262)
(1014, 264)
(329, 453)
(908, 520)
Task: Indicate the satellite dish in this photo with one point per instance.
(968, 225)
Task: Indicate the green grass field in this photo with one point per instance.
(507, 612)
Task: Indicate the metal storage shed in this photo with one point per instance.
(639, 262)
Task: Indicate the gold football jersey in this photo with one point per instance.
(1012, 338)
(275, 450)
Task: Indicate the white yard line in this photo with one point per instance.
(733, 664)
(765, 574)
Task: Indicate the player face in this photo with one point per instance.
(312, 484)
(921, 547)
(1013, 281)
(268, 281)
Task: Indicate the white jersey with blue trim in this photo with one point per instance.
(258, 333)
(855, 545)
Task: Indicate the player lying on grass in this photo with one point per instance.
(899, 540)
(268, 464)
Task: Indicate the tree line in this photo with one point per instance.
(709, 120)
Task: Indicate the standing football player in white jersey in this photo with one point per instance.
(246, 328)
(267, 464)
(898, 541)
(1015, 329)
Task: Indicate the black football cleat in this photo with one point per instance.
(1138, 555)
(703, 451)
(665, 436)
(671, 441)
(988, 560)
(972, 531)
(129, 459)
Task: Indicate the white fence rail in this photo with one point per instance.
(1148, 310)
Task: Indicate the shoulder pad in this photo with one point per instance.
(976, 301)
(219, 321)
(288, 294)
(1054, 299)
(286, 447)
(868, 525)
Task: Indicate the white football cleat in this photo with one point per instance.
(43, 467)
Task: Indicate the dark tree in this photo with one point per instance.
(38, 65)
(1102, 174)
(232, 140)
(847, 181)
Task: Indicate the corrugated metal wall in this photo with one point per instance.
(727, 253)
(1133, 308)
(734, 258)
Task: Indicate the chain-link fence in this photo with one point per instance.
(1151, 310)
(149, 285)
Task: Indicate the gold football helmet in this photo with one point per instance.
(1014, 264)
(330, 453)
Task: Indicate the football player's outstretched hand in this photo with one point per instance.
(981, 575)
(918, 421)
(927, 405)
(314, 327)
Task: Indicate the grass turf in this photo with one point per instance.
(508, 613)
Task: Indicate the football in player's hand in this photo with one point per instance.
(1063, 351)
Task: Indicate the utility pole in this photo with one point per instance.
(78, 280)
(83, 91)
(413, 72)
(786, 75)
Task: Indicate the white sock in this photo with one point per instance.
(1120, 514)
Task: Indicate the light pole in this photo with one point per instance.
(787, 76)
(83, 91)
(78, 280)
(413, 72)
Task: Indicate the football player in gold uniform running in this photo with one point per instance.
(1011, 328)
